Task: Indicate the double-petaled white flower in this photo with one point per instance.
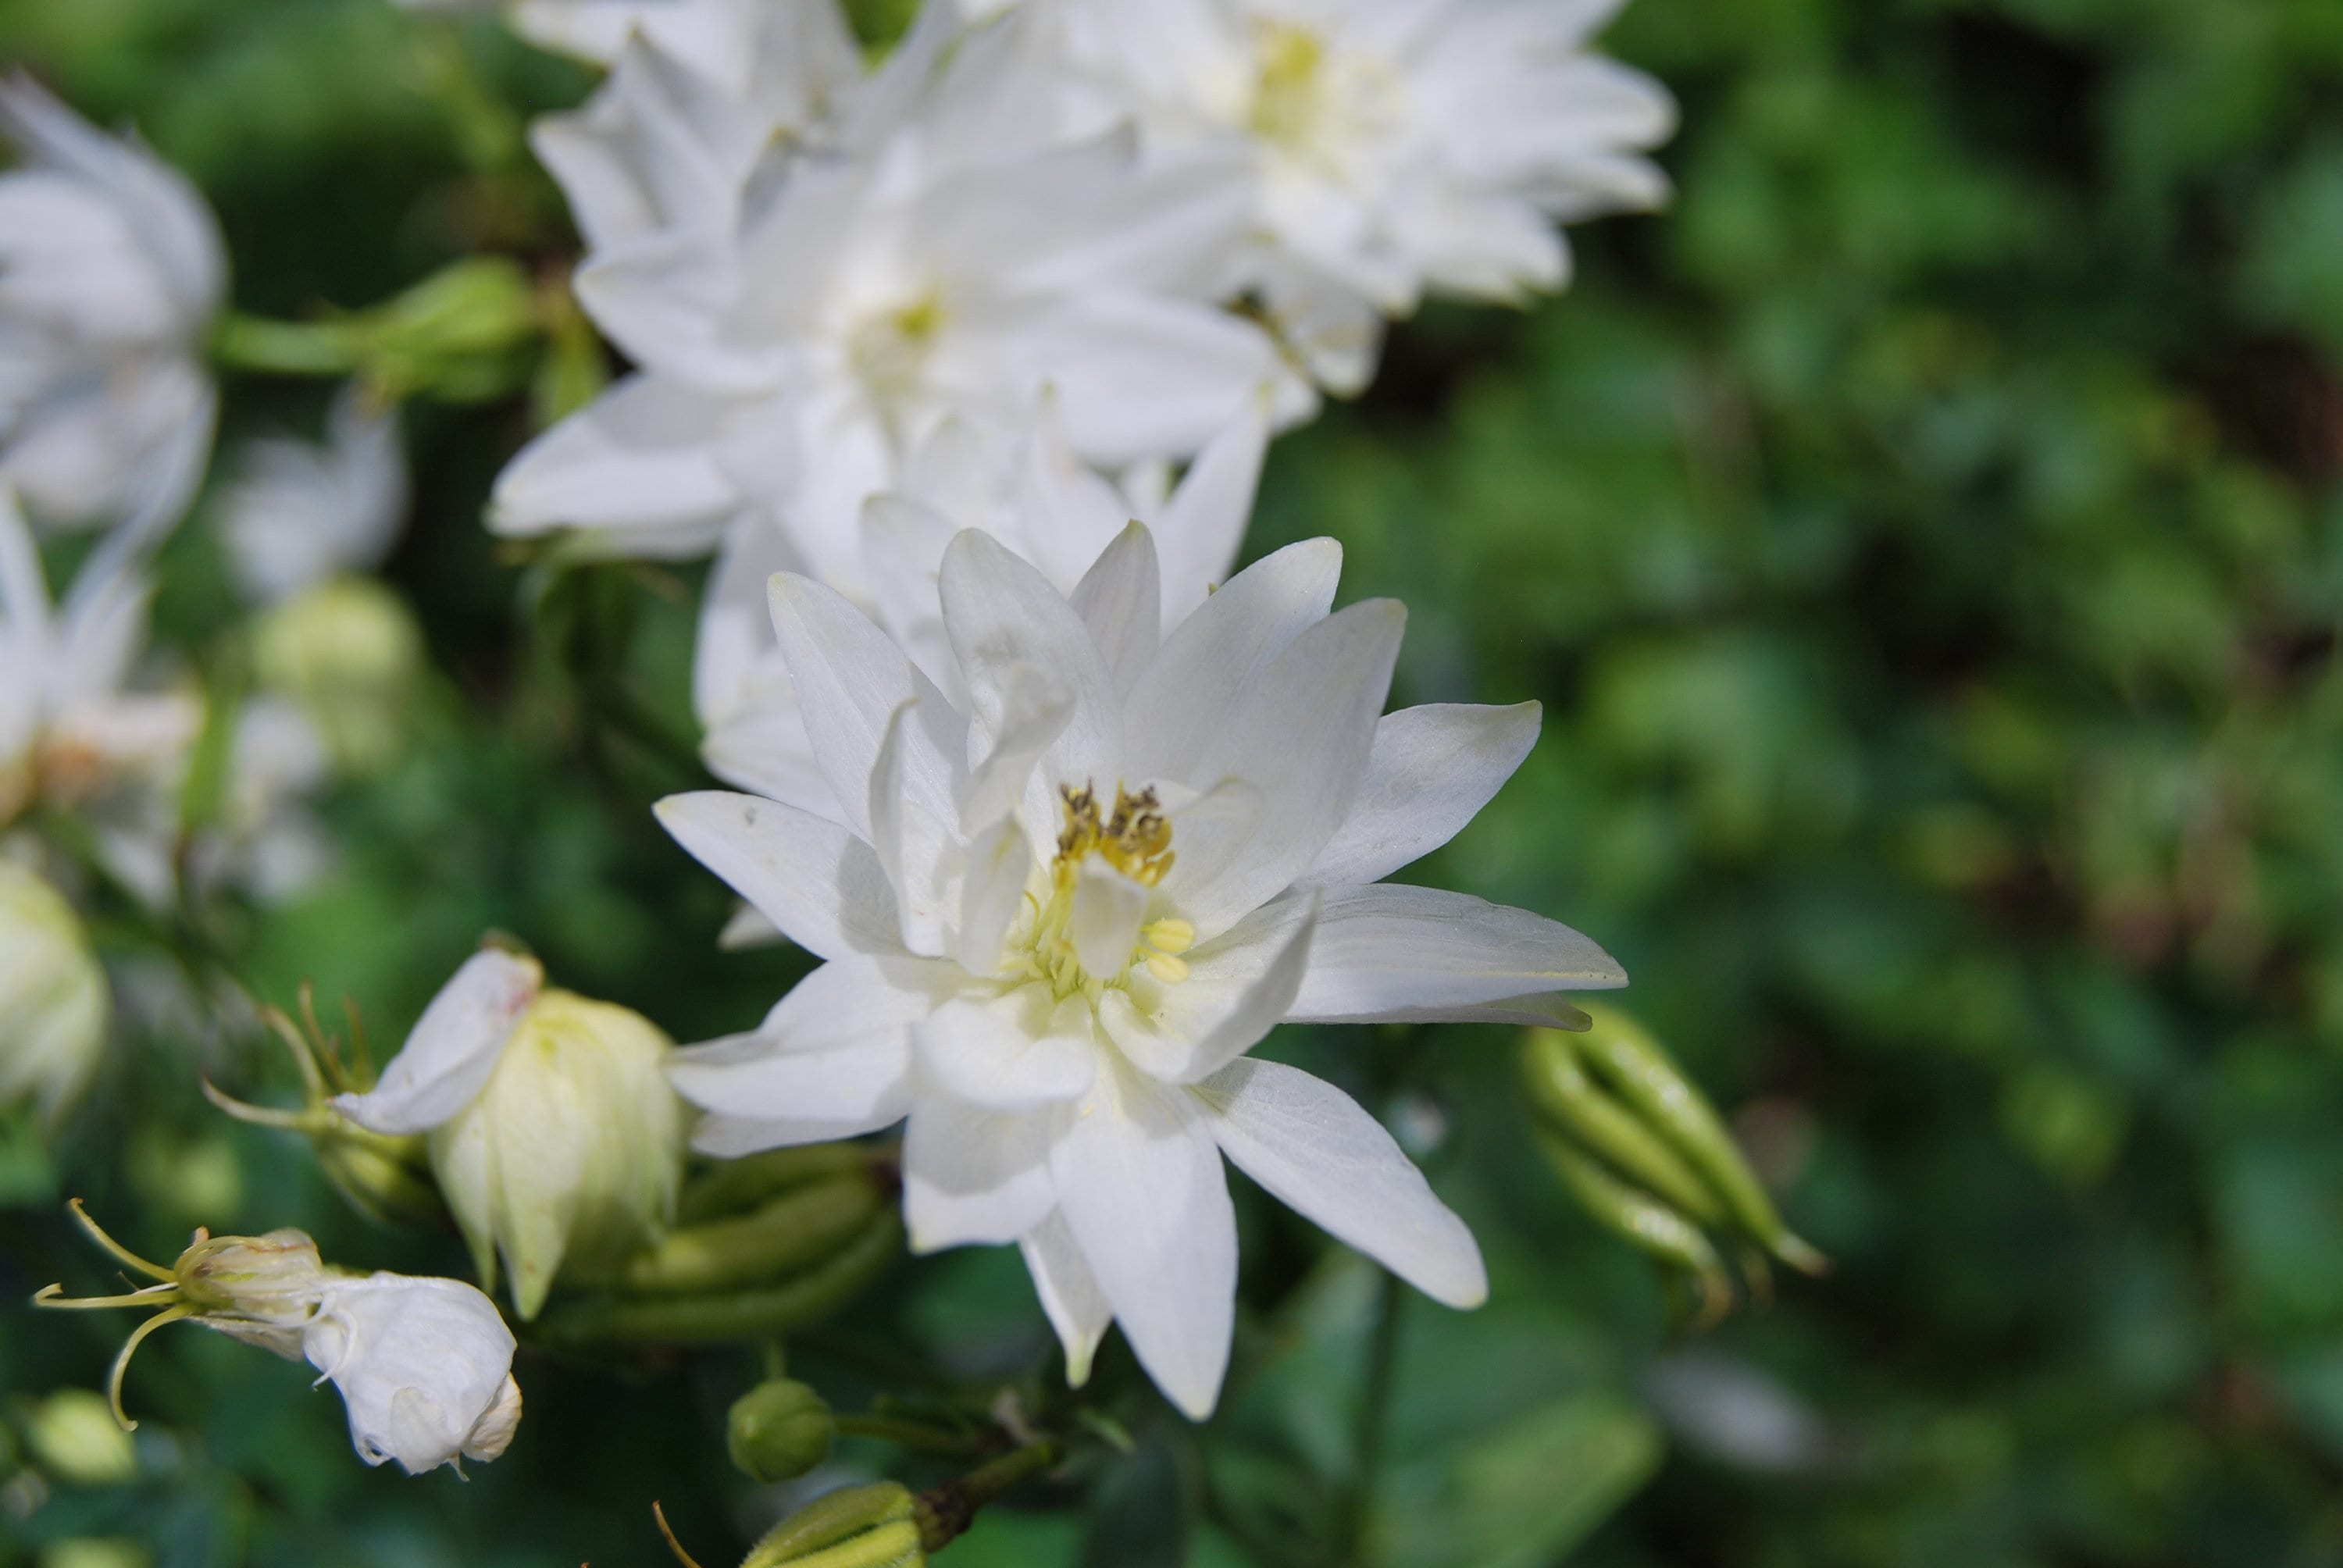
(111, 270)
(555, 1140)
(937, 255)
(1396, 145)
(1058, 909)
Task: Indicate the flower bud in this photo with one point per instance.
(348, 651)
(273, 1279)
(569, 1159)
(858, 1527)
(53, 995)
(75, 1438)
(459, 334)
(779, 1431)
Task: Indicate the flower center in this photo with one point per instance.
(1289, 85)
(1135, 838)
(890, 347)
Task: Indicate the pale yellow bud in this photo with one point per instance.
(53, 995)
(569, 1160)
(74, 1436)
(349, 652)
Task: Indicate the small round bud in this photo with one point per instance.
(74, 1435)
(53, 995)
(348, 651)
(779, 1431)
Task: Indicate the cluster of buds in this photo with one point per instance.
(424, 1365)
(1643, 1150)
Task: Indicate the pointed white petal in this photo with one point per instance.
(849, 677)
(452, 1051)
(1035, 709)
(1104, 920)
(1237, 990)
(819, 883)
(1139, 1183)
(1199, 531)
(641, 456)
(1121, 600)
(973, 1173)
(1429, 773)
(1076, 1308)
(1012, 1051)
(1317, 1152)
(999, 863)
(1391, 947)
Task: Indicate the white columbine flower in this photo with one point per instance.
(1056, 914)
(1397, 146)
(299, 512)
(555, 1140)
(111, 270)
(939, 258)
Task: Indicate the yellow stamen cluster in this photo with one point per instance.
(1135, 838)
(1290, 89)
(1135, 841)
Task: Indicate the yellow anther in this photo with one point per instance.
(1167, 968)
(1136, 840)
(1170, 936)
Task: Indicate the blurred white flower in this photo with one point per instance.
(424, 1365)
(939, 256)
(53, 996)
(298, 512)
(555, 1138)
(1058, 907)
(1026, 488)
(783, 58)
(111, 270)
(1396, 145)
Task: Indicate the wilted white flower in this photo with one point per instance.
(944, 258)
(111, 270)
(53, 996)
(298, 512)
(555, 1140)
(1058, 909)
(1395, 146)
(424, 1365)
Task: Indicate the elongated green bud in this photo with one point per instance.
(737, 1185)
(786, 1233)
(1572, 1103)
(1634, 1067)
(1643, 1223)
(779, 1431)
(859, 1527)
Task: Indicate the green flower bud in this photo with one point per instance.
(349, 652)
(74, 1435)
(569, 1159)
(458, 334)
(273, 1279)
(53, 995)
(94, 1552)
(859, 1527)
(779, 1431)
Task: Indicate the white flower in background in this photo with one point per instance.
(781, 57)
(1027, 489)
(299, 512)
(70, 732)
(939, 260)
(556, 1141)
(1059, 910)
(422, 1366)
(1397, 146)
(111, 270)
(53, 996)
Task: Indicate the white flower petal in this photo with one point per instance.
(1035, 710)
(973, 1173)
(424, 1365)
(1121, 600)
(1012, 1051)
(819, 883)
(1237, 987)
(1076, 1308)
(1103, 923)
(850, 679)
(1199, 531)
(917, 843)
(1139, 1183)
(640, 457)
(1318, 1152)
(999, 863)
(452, 1051)
(1391, 947)
(1429, 773)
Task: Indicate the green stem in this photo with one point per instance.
(285, 347)
(917, 1436)
(1375, 1419)
(944, 1513)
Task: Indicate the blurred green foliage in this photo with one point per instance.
(1927, 539)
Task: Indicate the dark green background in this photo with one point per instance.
(1926, 538)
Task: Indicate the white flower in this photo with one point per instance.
(424, 1365)
(299, 513)
(1396, 145)
(53, 995)
(555, 1140)
(936, 256)
(1026, 488)
(111, 270)
(782, 56)
(1055, 915)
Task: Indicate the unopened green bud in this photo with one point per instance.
(53, 996)
(859, 1527)
(779, 1431)
(456, 333)
(74, 1435)
(96, 1552)
(785, 1234)
(350, 653)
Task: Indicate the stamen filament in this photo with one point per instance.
(119, 1252)
(122, 1362)
(55, 1298)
